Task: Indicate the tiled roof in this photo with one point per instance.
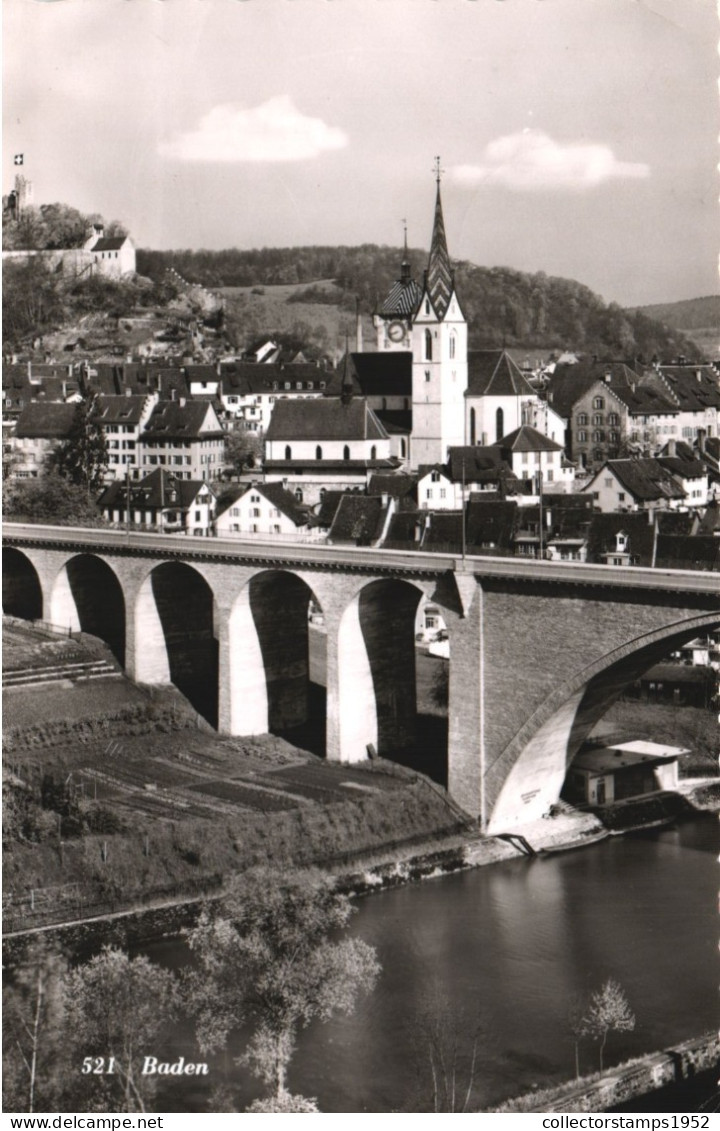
(358, 519)
(118, 410)
(45, 420)
(694, 388)
(698, 552)
(493, 373)
(284, 500)
(173, 420)
(398, 486)
(684, 468)
(386, 374)
(324, 419)
(251, 378)
(644, 479)
(403, 299)
(109, 243)
(490, 523)
(158, 489)
(477, 464)
(605, 527)
(528, 439)
(439, 276)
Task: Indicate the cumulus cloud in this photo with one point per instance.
(532, 160)
(273, 131)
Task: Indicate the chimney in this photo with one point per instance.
(128, 391)
(698, 376)
(173, 394)
(183, 402)
(672, 448)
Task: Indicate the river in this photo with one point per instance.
(507, 947)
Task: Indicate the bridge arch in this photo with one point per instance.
(22, 591)
(376, 670)
(529, 774)
(88, 597)
(277, 660)
(175, 634)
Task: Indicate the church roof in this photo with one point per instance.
(439, 276)
(376, 374)
(330, 419)
(493, 373)
(403, 299)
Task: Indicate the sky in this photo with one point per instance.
(576, 137)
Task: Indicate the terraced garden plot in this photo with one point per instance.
(29, 648)
(332, 778)
(257, 799)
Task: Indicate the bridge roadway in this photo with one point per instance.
(397, 563)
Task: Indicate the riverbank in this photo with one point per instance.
(386, 866)
(625, 1083)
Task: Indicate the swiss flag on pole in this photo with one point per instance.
(18, 159)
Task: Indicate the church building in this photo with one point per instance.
(427, 321)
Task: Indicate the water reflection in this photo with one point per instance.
(510, 945)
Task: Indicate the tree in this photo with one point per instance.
(33, 1014)
(265, 955)
(50, 499)
(446, 1045)
(83, 457)
(608, 1011)
(243, 448)
(119, 1005)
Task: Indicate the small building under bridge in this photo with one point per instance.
(616, 773)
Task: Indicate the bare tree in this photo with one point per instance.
(608, 1011)
(447, 1047)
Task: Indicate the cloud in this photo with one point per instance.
(531, 160)
(273, 131)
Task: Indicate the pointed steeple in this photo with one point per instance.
(405, 265)
(439, 276)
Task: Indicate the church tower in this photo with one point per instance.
(393, 319)
(438, 338)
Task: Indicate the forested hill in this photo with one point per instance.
(690, 314)
(502, 306)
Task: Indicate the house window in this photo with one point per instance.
(198, 516)
(318, 452)
(598, 419)
(428, 345)
(298, 494)
(255, 512)
(598, 402)
(609, 482)
(621, 496)
(582, 437)
(443, 492)
(428, 493)
(613, 419)
(434, 476)
(582, 418)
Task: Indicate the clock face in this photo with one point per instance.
(396, 331)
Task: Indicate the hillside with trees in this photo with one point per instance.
(690, 314)
(502, 306)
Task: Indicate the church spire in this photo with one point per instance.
(439, 276)
(405, 265)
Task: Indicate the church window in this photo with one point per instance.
(406, 403)
(452, 345)
(427, 374)
(499, 424)
(427, 305)
(373, 452)
(428, 346)
(403, 449)
(346, 452)
(288, 452)
(384, 403)
(472, 426)
(318, 452)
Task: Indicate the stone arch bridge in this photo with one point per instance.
(538, 650)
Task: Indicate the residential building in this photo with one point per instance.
(123, 420)
(635, 484)
(41, 426)
(161, 501)
(264, 510)
(185, 437)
